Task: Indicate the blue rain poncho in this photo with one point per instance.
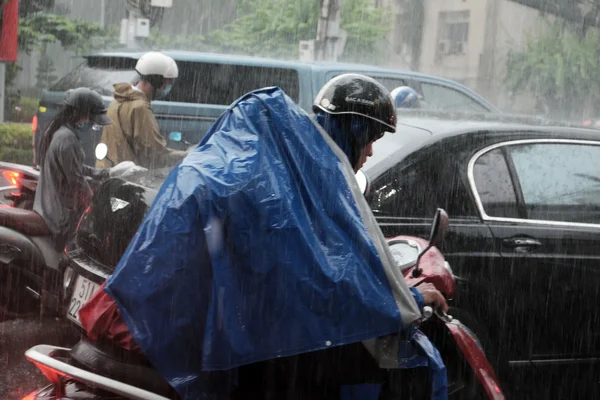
(259, 245)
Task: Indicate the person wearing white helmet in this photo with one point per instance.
(134, 134)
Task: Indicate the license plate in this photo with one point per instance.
(84, 289)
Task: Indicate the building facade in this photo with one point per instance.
(468, 41)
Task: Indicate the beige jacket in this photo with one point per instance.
(134, 134)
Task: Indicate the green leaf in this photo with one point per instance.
(560, 67)
(274, 28)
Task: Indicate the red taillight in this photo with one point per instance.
(13, 177)
(30, 396)
(34, 125)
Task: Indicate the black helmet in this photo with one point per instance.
(88, 102)
(359, 95)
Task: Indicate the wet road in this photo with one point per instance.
(19, 377)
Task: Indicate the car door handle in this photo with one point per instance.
(522, 244)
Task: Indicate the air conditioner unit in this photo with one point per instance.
(460, 48)
(162, 3)
(443, 47)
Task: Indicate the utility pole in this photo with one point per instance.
(132, 40)
(102, 13)
(330, 41)
(137, 25)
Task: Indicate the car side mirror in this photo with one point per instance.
(440, 225)
(101, 151)
(363, 181)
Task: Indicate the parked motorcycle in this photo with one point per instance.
(29, 260)
(31, 267)
(470, 374)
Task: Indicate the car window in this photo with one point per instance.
(559, 181)
(494, 185)
(445, 98)
(219, 84)
(99, 74)
(222, 84)
(389, 83)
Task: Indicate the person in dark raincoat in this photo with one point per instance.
(63, 192)
(355, 111)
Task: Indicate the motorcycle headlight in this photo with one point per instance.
(67, 278)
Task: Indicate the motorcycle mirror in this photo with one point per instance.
(362, 180)
(438, 228)
(436, 237)
(175, 136)
(101, 151)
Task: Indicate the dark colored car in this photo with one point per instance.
(524, 237)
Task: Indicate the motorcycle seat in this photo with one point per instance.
(109, 360)
(26, 222)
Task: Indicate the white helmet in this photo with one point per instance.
(157, 64)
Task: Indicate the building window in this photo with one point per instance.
(454, 32)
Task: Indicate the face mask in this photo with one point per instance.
(84, 126)
(162, 93)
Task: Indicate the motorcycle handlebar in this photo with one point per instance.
(428, 312)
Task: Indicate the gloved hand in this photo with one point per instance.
(124, 169)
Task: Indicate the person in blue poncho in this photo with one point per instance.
(355, 110)
(258, 273)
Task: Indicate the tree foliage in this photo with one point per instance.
(40, 28)
(179, 42)
(560, 68)
(46, 73)
(27, 7)
(274, 28)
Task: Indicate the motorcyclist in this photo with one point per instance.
(355, 111)
(405, 97)
(62, 192)
(134, 134)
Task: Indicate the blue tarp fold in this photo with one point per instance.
(258, 245)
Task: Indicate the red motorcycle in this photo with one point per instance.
(470, 376)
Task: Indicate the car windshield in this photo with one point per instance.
(99, 74)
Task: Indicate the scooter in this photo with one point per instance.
(31, 267)
(470, 374)
(29, 261)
